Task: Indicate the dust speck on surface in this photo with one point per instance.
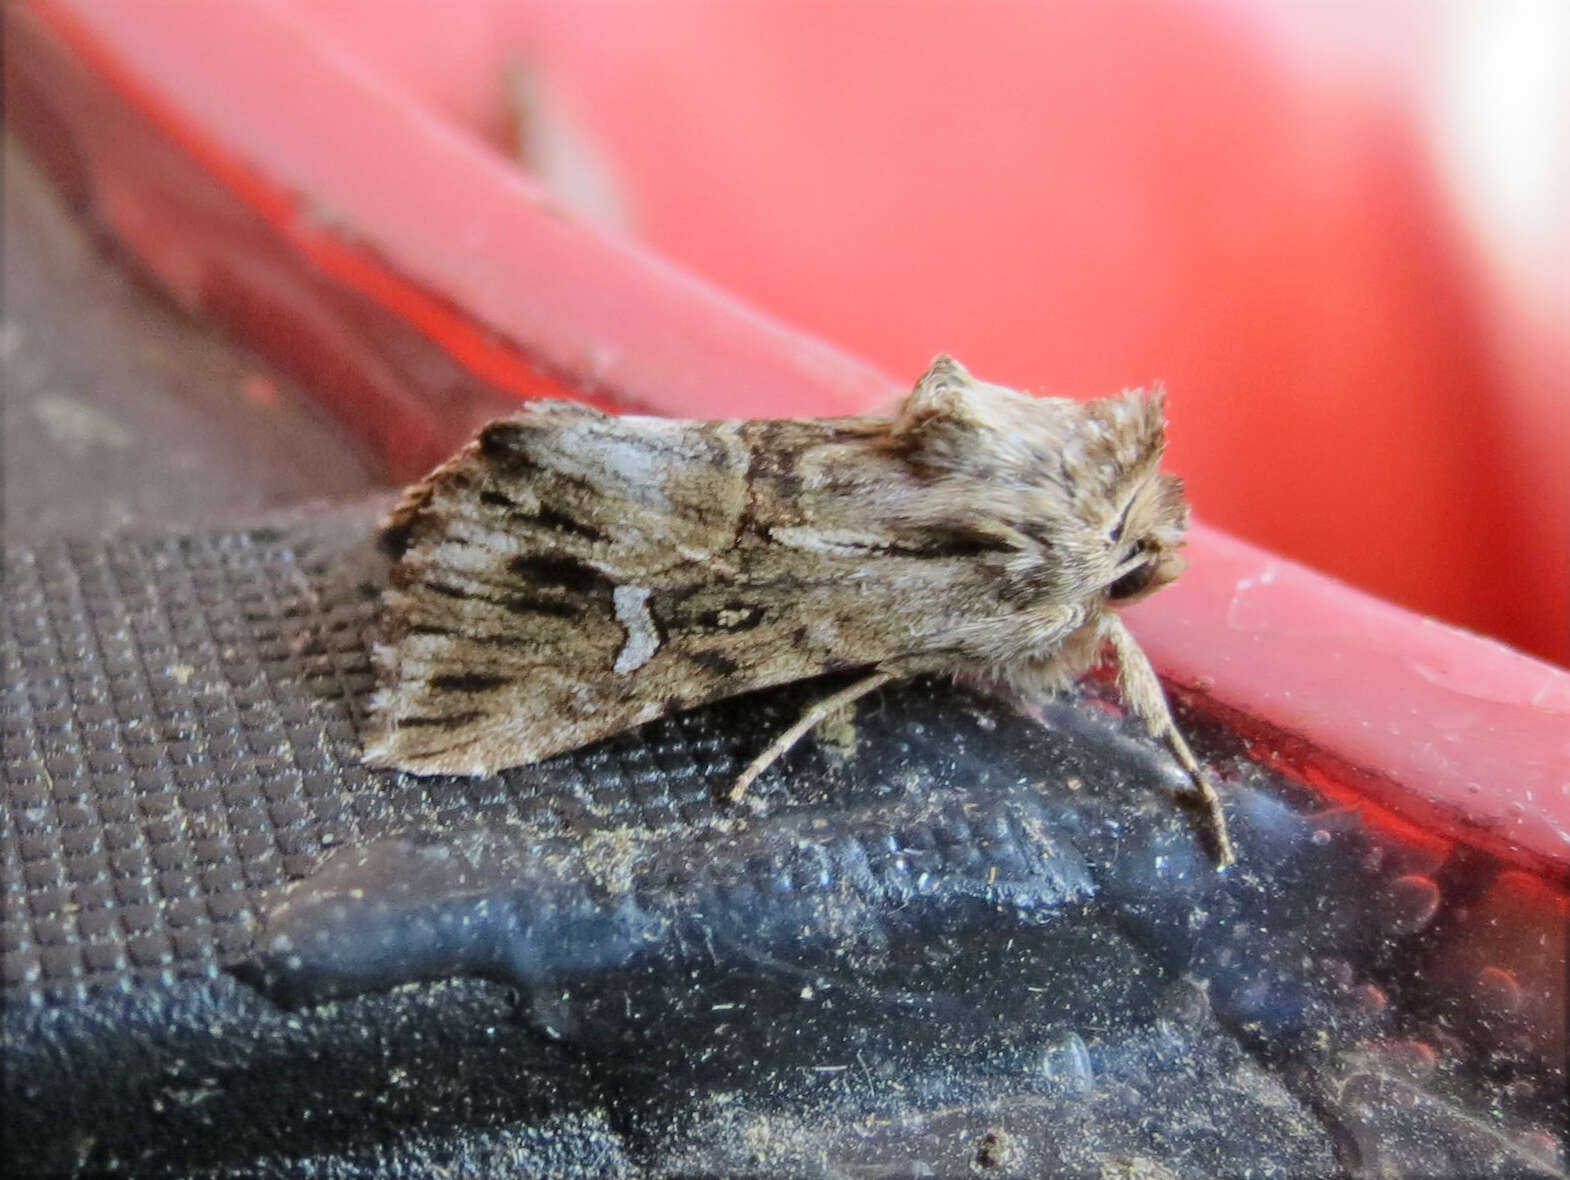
(610, 856)
(998, 1154)
(1135, 1167)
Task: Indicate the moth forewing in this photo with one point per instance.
(572, 574)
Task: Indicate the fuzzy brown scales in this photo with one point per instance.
(572, 574)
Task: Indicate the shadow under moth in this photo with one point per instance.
(571, 574)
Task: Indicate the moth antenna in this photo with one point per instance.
(826, 707)
(1142, 693)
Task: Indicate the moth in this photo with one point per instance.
(571, 574)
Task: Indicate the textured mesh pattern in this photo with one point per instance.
(177, 736)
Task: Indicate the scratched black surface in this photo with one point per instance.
(959, 941)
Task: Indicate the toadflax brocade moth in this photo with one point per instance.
(571, 574)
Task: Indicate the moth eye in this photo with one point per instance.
(1134, 582)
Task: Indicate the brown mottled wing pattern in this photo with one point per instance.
(573, 574)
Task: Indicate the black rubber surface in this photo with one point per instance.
(947, 939)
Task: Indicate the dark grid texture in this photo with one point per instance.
(178, 735)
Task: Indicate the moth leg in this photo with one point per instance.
(812, 716)
(1142, 693)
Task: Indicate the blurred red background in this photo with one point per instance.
(1260, 205)
(1336, 233)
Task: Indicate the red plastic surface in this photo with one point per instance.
(417, 279)
(266, 181)
(1269, 206)
(1458, 734)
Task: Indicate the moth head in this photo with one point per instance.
(1074, 490)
